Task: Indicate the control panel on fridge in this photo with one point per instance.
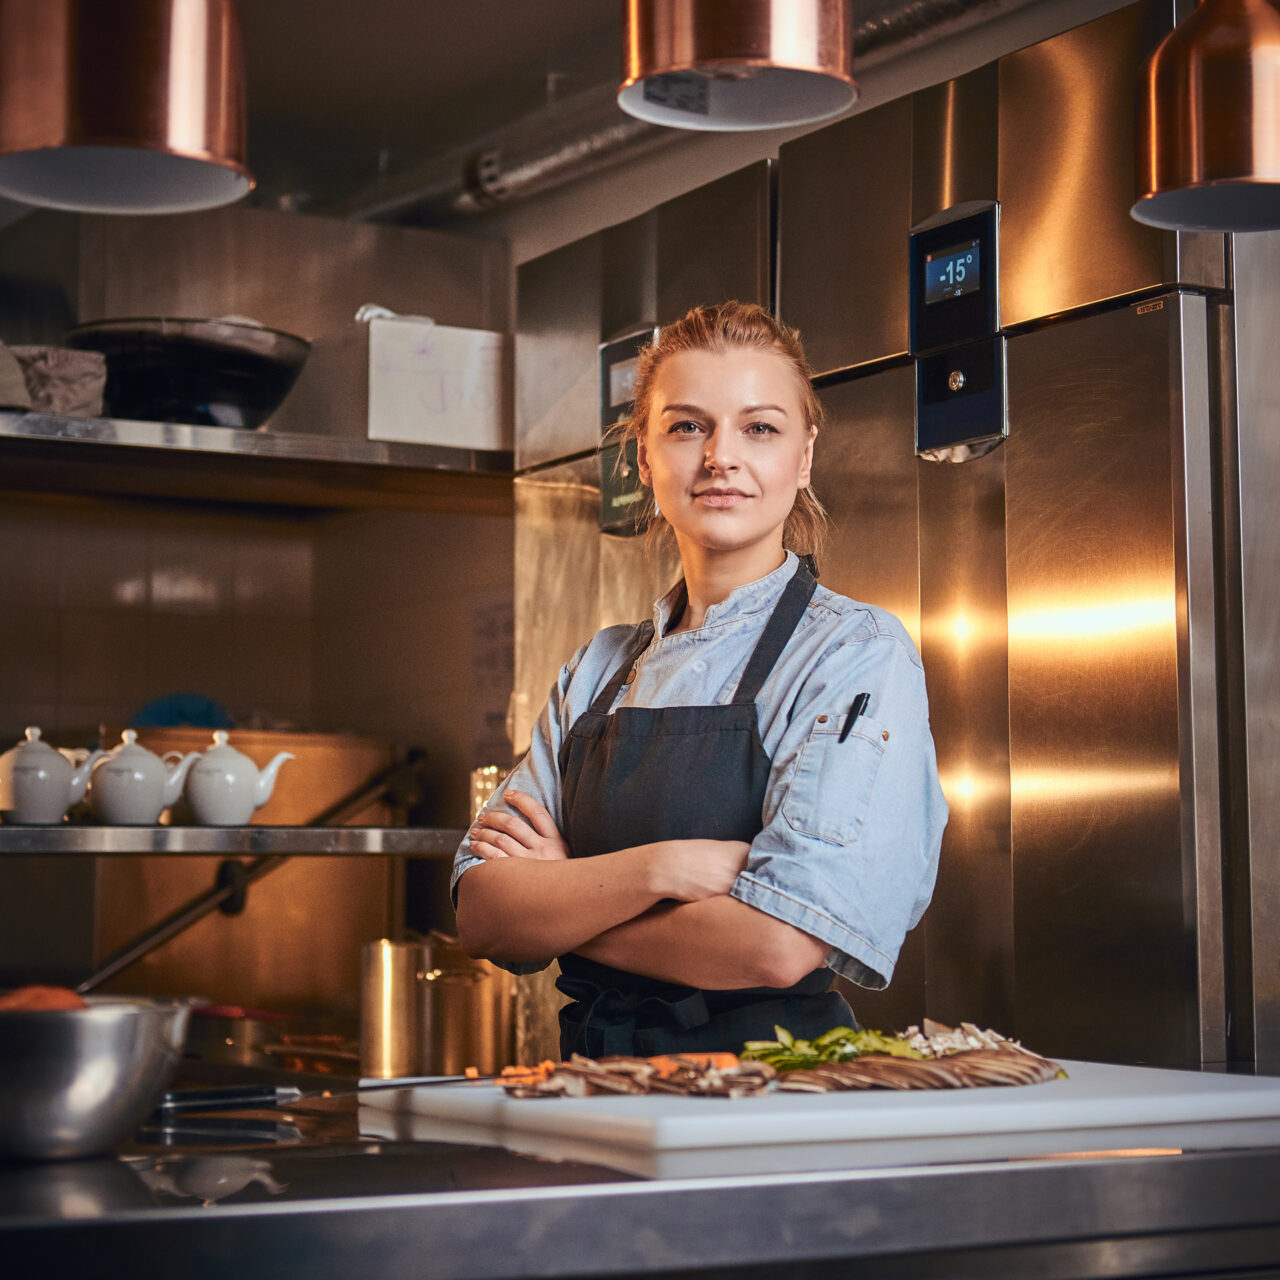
(955, 333)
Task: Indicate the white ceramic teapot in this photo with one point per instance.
(224, 786)
(38, 784)
(131, 786)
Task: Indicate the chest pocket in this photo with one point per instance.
(831, 787)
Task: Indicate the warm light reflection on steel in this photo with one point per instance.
(963, 629)
(1078, 786)
(1026, 288)
(972, 788)
(1136, 619)
(1208, 142)
(1066, 237)
(122, 106)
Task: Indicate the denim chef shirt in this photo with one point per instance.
(849, 846)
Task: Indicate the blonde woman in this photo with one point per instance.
(724, 804)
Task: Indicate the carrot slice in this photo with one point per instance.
(528, 1075)
(38, 997)
(669, 1063)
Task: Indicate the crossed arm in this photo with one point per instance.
(662, 910)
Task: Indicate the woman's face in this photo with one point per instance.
(726, 447)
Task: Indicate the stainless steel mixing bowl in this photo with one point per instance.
(75, 1082)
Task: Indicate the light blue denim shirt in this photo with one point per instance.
(851, 830)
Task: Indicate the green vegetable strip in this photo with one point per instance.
(840, 1044)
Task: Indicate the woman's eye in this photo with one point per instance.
(762, 429)
(684, 428)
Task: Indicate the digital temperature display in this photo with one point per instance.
(951, 272)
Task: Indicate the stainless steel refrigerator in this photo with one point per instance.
(1089, 588)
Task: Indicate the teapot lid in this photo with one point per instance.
(32, 741)
(221, 746)
(128, 745)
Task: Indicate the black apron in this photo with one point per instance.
(644, 774)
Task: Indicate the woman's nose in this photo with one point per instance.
(721, 454)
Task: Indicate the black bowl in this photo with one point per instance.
(212, 373)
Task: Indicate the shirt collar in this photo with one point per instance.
(749, 598)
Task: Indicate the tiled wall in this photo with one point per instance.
(395, 625)
(414, 638)
(107, 605)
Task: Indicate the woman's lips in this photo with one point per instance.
(720, 497)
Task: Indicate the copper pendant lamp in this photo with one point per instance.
(737, 64)
(122, 106)
(1209, 121)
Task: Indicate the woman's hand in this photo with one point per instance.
(690, 870)
(502, 835)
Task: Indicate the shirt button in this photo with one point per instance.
(631, 675)
(699, 664)
(885, 735)
(822, 719)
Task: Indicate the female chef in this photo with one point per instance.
(721, 805)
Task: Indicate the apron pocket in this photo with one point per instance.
(831, 787)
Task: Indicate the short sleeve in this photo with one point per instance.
(537, 775)
(853, 820)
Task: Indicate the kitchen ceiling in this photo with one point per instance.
(341, 91)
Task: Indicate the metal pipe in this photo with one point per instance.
(183, 918)
(400, 781)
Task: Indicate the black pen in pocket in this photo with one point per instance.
(859, 706)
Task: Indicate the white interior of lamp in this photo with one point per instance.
(118, 180)
(737, 98)
(1218, 206)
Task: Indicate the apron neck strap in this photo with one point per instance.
(777, 631)
(782, 622)
(604, 701)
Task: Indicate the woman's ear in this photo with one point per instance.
(642, 461)
(806, 464)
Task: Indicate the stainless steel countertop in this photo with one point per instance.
(400, 1209)
(292, 842)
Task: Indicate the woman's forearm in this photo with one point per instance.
(529, 910)
(717, 944)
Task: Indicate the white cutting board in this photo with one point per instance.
(1100, 1107)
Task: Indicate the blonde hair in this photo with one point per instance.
(724, 327)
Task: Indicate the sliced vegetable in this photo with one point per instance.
(840, 1044)
(668, 1064)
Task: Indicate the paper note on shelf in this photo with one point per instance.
(436, 384)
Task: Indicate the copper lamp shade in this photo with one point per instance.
(122, 106)
(1209, 121)
(737, 64)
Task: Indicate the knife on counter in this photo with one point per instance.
(236, 1097)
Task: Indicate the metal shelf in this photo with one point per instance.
(292, 842)
(46, 453)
